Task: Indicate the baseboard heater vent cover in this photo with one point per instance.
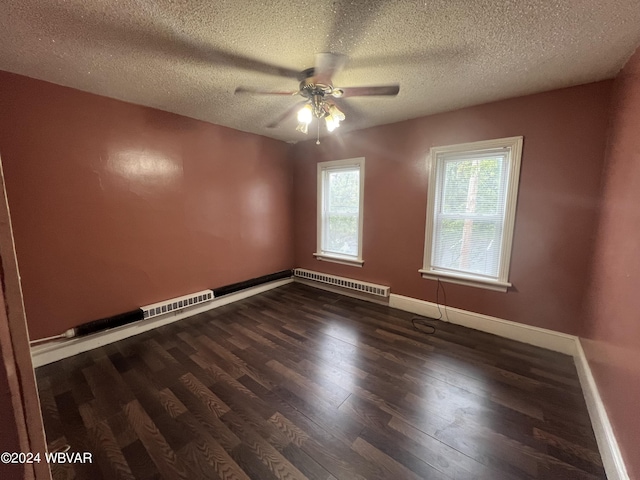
(364, 287)
(177, 303)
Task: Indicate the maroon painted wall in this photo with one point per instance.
(115, 205)
(613, 343)
(564, 139)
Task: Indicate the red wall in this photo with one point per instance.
(564, 139)
(115, 205)
(613, 344)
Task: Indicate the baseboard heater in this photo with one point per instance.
(364, 287)
(163, 308)
(177, 303)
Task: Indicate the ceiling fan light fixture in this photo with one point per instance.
(305, 115)
(333, 118)
(332, 123)
(336, 113)
(303, 127)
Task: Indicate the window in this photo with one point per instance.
(473, 190)
(340, 193)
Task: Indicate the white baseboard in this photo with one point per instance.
(607, 444)
(540, 337)
(54, 351)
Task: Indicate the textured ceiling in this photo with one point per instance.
(188, 56)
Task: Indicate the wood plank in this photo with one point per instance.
(165, 459)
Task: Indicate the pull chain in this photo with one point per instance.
(318, 140)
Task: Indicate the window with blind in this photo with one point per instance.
(340, 199)
(473, 191)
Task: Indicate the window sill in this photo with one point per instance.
(344, 260)
(466, 280)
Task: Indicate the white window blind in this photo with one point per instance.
(473, 190)
(341, 210)
(470, 206)
(340, 188)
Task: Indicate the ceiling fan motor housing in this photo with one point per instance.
(320, 108)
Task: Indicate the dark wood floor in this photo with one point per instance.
(301, 383)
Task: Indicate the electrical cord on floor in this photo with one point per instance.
(415, 321)
(419, 324)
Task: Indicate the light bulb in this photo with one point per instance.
(305, 115)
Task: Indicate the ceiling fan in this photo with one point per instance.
(320, 95)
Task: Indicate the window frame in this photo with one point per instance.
(435, 161)
(336, 165)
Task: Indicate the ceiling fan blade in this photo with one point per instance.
(350, 23)
(288, 113)
(387, 90)
(218, 56)
(327, 65)
(351, 112)
(155, 38)
(257, 91)
(424, 58)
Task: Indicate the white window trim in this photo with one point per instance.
(514, 144)
(330, 256)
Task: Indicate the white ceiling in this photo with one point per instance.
(188, 56)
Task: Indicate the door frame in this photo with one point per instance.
(16, 352)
